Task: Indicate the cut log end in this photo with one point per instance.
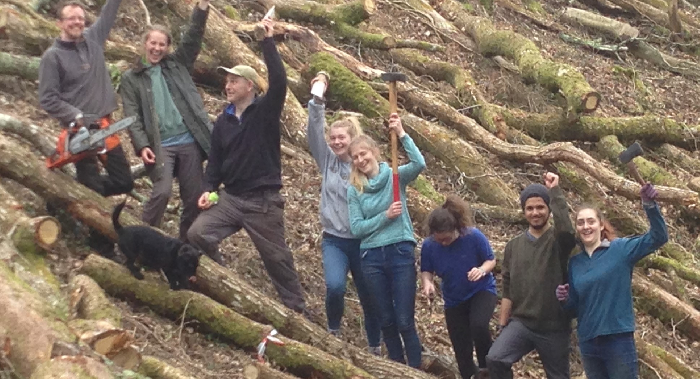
(127, 358)
(251, 372)
(590, 102)
(370, 6)
(47, 230)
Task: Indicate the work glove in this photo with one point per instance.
(648, 193)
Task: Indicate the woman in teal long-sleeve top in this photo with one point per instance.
(599, 292)
(386, 239)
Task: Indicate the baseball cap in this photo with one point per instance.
(246, 72)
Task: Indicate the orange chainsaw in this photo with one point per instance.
(76, 143)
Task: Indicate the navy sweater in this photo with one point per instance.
(245, 153)
(600, 285)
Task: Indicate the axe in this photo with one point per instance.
(392, 78)
(627, 156)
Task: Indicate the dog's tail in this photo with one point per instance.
(115, 216)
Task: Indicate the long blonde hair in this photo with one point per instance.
(357, 178)
(351, 124)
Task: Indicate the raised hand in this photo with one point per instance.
(551, 180)
(648, 193)
(269, 25)
(395, 125)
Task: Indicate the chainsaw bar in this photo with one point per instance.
(95, 139)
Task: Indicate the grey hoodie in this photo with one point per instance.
(334, 186)
(73, 76)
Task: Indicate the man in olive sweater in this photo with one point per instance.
(534, 263)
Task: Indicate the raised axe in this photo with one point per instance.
(627, 156)
(392, 78)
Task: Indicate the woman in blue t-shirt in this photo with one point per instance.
(461, 255)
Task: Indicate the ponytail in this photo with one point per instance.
(455, 214)
(351, 124)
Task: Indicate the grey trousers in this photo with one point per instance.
(516, 340)
(183, 162)
(261, 214)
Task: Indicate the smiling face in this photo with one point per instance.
(72, 23)
(588, 227)
(339, 141)
(365, 159)
(536, 212)
(156, 46)
(238, 88)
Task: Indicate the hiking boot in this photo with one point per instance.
(334, 332)
(375, 350)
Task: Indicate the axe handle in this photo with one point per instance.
(394, 140)
(632, 167)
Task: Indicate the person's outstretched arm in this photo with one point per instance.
(99, 31)
(191, 43)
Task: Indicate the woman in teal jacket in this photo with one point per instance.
(599, 292)
(387, 244)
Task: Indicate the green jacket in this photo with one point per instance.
(137, 97)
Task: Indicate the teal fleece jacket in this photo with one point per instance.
(367, 210)
(600, 285)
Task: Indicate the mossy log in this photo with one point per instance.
(580, 96)
(72, 367)
(302, 360)
(610, 148)
(662, 369)
(31, 236)
(658, 16)
(226, 287)
(666, 307)
(34, 33)
(652, 129)
(155, 368)
(24, 67)
(353, 93)
(680, 367)
(229, 51)
(88, 301)
(351, 13)
(680, 157)
(667, 264)
(552, 153)
(261, 371)
(618, 30)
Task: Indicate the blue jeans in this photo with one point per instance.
(390, 273)
(613, 356)
(341, 255)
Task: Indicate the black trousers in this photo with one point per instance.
(468, 327)
(117, 181)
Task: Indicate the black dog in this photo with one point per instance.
(156, 251)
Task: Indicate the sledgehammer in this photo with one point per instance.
(627, 156)
(392, 78)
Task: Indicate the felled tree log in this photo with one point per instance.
(628, 35)
(580, 96)
(154, 368)
(21, 66)
(355, 94)
(262, 371)
(668, 264)
(302, 360)
(89, 302)
(351, 13)
(663, 369)
(658, 16)
(72, 367)
(651, 128)
(671, 360)
(680, 157)
(611, 148)
(666, 307)
(226, 287)
(29, 235)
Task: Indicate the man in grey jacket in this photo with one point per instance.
(172, 134)
(75, 88)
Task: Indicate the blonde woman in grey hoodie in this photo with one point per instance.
(341, 250)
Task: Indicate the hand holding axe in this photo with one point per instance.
(627, 156)
(392, 78)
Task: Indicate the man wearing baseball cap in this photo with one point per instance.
(534, 263)
(245, 158)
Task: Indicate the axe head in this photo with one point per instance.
(635, 150)
(393, 77)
